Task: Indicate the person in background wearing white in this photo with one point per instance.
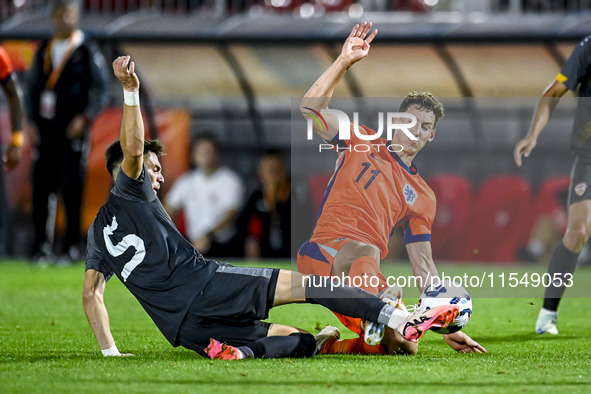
(210, 197)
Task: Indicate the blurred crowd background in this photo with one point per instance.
(232, 72)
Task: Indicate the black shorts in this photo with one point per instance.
(230, 308)
(580, 179)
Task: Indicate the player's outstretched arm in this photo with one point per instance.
(132, 125)
(96, 312)
(545, 107)
(355, 48)
(462, 343)
(421, 261)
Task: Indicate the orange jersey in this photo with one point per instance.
(5, 65)
(373, 192)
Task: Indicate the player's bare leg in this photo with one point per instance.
(394, 343)
(290, 288)
(564, 261)
(280, 330)
(356, 259)
(355, 253)
(579, 226)
(294, 287)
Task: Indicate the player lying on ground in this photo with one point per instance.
(370, 194)
(192, 299)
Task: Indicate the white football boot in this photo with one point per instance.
(374, 332)
(546, 323)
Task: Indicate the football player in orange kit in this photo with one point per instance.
(372, 191)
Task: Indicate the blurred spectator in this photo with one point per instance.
(210, 197)
(13, 153)
(546, 232)
(67, 88)
(265, 222)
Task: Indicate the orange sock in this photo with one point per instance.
(364, 273)
(351, 346)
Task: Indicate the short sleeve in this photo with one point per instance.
(235, 191)
(577, 65)
(417, 229)
(94, 258)
(5, 65)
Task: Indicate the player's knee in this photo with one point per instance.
(576, 237)
(341, 267)
(306, 346)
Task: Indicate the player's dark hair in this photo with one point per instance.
(114, 153)
(425, 101)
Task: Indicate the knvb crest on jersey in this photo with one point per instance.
(410, 195)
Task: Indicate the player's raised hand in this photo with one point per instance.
(356, 46)
(523, 148)
(462, 343)
(124, 70)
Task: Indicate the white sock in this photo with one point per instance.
(548, 312)
(398, 317)
(245, 352)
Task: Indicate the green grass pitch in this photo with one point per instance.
(47, 346)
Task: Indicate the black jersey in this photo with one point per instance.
(133, 238)
(576, 74)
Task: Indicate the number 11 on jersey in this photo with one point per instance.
(366, 166)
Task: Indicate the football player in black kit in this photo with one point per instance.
(575, 73)
(192, 299)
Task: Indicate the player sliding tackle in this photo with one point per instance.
(362, 207)
(191, 299)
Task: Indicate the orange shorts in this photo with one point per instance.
(317, 257)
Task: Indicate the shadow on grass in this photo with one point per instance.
(158, 355)
(528, 337)
(245, 383)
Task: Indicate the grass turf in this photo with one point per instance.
(46, 345)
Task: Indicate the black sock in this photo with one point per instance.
(562, 262)
(296, 345)
(349, 301)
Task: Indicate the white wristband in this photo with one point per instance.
(112, 351)
(131, 98)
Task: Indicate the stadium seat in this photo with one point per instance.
(418, 6)
(500, 221)
(281, 5)
(454, 195)
(316, 186)
(333, 5)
